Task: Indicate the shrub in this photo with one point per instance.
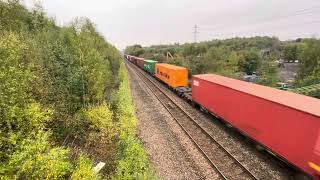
(84, 169)
(35, 159)
(54, 90)
(133, 163)
(102, 136)
(249, 62)
(98, 118)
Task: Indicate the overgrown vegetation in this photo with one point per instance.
(238, 57)
(65, 102)
(133, 162)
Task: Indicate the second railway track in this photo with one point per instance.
(223, 162)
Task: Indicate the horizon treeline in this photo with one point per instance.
(237, 57)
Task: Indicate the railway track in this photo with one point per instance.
(222, 161)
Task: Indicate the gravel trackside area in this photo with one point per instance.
(170, 150)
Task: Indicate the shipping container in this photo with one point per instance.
(134, 59)
(130, 58)
(286, 123)
(140, 62)
(150, 65)
(174, 76)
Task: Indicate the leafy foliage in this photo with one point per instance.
(309, 70)
(135, 50)
(84, 169)
(34, 159)
(57, 84)
(249, 62)
(290, 52)
(310, 61)
(269, 74)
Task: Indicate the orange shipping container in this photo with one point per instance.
(174, 76)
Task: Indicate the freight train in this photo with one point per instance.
(284, 123)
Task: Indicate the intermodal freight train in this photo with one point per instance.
(285, 123)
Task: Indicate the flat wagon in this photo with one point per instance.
(286, 123)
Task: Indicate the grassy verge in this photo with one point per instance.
(133, 162)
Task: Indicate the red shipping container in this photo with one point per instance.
(140, 62)
(286, 123)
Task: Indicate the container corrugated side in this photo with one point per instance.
(174, 76)
(292, 134)
(150, 66)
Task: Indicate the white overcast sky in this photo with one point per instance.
(147, 22)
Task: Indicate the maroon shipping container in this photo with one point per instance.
(134, 59)
(140, 62)
(130, 58)
(286, 123)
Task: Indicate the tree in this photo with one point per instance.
(135, 50)
(309, 67)
(290, 52)
(48, 75)
(249, 62)
(268, 74)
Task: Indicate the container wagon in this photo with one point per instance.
(174, 76)
(140, 62)
(286, 123)
(150, 66)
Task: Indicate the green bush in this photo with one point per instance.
(101, 135)
(55, 91)
(84, 169)
(35, 159)
(249, 62)
(133, 162)
(98, 118)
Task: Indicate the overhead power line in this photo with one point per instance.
(195, 33)
(268, 19)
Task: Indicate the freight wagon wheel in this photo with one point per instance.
(203, 109)
(193, 104)
(259, 147)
